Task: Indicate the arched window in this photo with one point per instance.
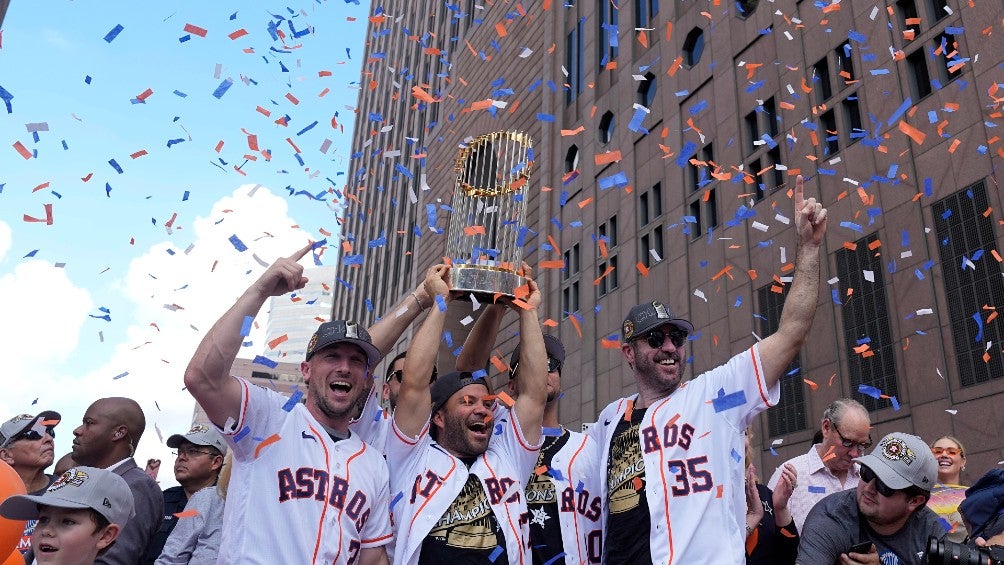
(693, 47)
(572, 159)
(646, 90)
(606, 131)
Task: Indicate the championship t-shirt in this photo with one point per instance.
(542, 503)
(628, 522)
(467, 533)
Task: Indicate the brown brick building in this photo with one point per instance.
(889, 109)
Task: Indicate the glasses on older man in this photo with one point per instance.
(34, 435)
(190, 452)
(862, 445)
(656, 338)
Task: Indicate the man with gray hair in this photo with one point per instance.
(829, 466)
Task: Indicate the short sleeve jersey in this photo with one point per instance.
(295, 494)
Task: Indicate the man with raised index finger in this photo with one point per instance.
(672, 454)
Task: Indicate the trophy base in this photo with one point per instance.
(483, 282)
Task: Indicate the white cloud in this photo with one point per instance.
(197, 286)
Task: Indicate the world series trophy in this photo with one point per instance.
(487, 228)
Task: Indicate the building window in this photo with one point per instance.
(693, 47)
(937, 9)
(571, 257)
(752, 131)
(608, 232)
(573, 63)
(651, 251)
(867, 335)
(645, 11)
(607, 31)
(606, 131)
(916, 72)
(770, 115)
(746, 8)
(852, 120)
(646, 90)
(946, 53)
(821, 79)
(788, 415)
(972, 280)
(754, 172)
(774, 178)
(607, 283)
(572, 159)
(699, 165)
(828, 132)
(650, 204)
(570, 299)
(695, 216)
(711, 209)
(909, 19)
(844, 62)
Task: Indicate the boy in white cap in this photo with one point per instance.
(79, 516)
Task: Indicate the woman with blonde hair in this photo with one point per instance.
(949, 491)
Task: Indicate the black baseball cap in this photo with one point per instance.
(555, 349)
(339, 331)
(649, 315)
(447, 385)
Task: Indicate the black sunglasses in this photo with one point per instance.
(656, 338)
(867, 475)
(34, 435)
(399, 374)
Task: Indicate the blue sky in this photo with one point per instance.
(109, 250)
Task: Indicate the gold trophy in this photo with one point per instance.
(487, 228)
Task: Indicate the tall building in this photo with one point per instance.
(668, 135)
(293, 318)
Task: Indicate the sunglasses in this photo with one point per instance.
(553, 366)
(656, 338)
(399, 374)
(952, 451)
(849, 444)
(867, 475)
(34, 435)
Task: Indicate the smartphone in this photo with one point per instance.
(863, 547)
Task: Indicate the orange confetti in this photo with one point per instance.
(500, 29)
(291, 98)
(265, 443)
(505, 399)
(473, 230)
(195, 30)
(20, 148)
(811, 384)
(955, 145)
(610, 343)
(575, 324)
(675, 66)
(568, 132)
(586, 202)
(915, 134)
(643, 38)
(237, 33)
(138, 154)
(642, 269)
(275, 342)
(608, 157)
(191, 513)
(555, 264)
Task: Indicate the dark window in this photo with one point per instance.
(752, 131)
(770, 115)
(774, 178)
(746, 8)
(573, 65)
(572, 159)
(606, 131)
(263, 375)
(908, 17)
(646, 90)
(821, 81)
(571, 257)
(852, 120)
(695, 211)
(972, 280)
(844, 62)
(608, 231)
(789, 414)
(938, 9)
(607, 283)
(916, 70)
(606, 31)
(656, 199)
(828, 132)
(651, 247)
(693, 47)
(570, 299)
(868, 339)
(644, 11)
(643, 209)
(758, 182)
(711, 205)
(946, 53)
(699, 167)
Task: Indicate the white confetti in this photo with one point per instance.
(526, 52)
(783, 219)
(925, 311)
(758, 226)
(869, 276)
(466, 321)
(698, 293)
(952, 412)
(655, 255)
(874, 13)
(906, 254)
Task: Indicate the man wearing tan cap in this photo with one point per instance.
(200, 454)
(26, 445)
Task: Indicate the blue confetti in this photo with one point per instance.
(817, 489)
(895, 403)
(495, 553)
(735, 456)
(246, 326)
(871, 391)
(115, 166)
(397, 499)
(223, 88)
(7, 97)
(979, 326)
(294, 399)
(259, 360)
(115, 31)
(119, 376)
(238, 244)
(900, 111)
(728, 401)
(545, 117)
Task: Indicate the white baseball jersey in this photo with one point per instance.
(295, 495)
(693, 447)
(572, 472)
(373, 423)
(425, 480)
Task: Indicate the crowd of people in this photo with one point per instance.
(418, 467)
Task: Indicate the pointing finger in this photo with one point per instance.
(300, 253)
(799, 192)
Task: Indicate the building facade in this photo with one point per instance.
(668, 135)
(293, 319)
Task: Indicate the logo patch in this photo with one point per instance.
(73, 477)
(895, 449)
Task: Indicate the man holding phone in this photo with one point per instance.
(886, 519)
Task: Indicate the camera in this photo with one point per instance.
(944, 552)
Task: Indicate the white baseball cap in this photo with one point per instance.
(200, 434)
(80, 487)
